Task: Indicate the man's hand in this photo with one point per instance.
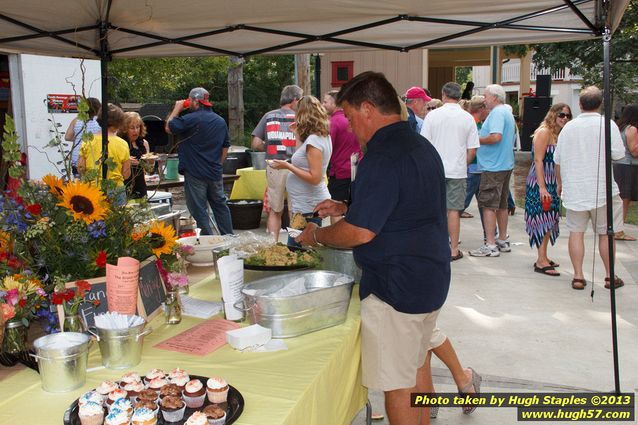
(177, 109)
(307, 237)
(331, 208)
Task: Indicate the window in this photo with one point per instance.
(341, 73)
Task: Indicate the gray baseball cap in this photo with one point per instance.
(200, 94)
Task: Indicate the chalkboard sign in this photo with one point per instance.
(152, 292)
(96, 302)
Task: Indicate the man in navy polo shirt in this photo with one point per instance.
(203, 145)
(397, 227)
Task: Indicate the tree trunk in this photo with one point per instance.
(236, 101)
(302, 67)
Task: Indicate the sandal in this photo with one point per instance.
(545, 270)
(466, 214)
(551, 263)
(457, 256)
(578, 283)
(622, 236)
(475, 384)
(618, 283)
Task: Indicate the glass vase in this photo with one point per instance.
(15, 337)
(73, 323)
(172, 308)
(183, 290)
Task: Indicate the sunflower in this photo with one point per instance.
(84, 201)
(162, 238)
(56, 184)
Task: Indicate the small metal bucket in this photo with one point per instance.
(62, 359)
(121, 348)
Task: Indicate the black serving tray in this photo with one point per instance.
(234, 407)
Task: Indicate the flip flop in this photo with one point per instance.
(622, 236)
(545, 270)
(578, 284)
(457, 256)
(551, 263)
(474, 383)
(466, 214)
(618, 283)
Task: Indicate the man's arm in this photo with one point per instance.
(224, 153)
(177, 109)
(471, 154)
(258, 144)
(339, 235)
(491, 139)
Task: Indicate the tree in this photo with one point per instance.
(585, 57)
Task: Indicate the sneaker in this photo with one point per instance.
(486, 251)
(503, 246)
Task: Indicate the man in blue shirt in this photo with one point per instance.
(397, 227)
(496, 159)
(202, 149)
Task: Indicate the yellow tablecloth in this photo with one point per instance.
(250, 185)
(315, 382)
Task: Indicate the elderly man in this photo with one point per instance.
(453, 133)
(274, 136)
(396, 225)
(580, 166)
(496, 159)
(202, 151)
(416, 100)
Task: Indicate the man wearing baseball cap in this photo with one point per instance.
(202, 148)
(415, 99)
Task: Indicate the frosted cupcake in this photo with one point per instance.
(154, 373)
(217, 390)
(194, 393)
(173, 408)
(150, 405)
(105, 388)
(144, 416)
(116, 394)
(93, 396)
(157, 383)
(176, 372)
(91, 413)
(116, 417)
(215, 414)
(133, 389)
(170, 389)
(129, 378)
(147, 395)
(123, 404)
(180, 380)
(197, 418)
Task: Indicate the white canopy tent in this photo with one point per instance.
(137, 28)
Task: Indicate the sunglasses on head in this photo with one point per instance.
(564, 115)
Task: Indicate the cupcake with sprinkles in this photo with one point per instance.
(217, 390)
(194, 393)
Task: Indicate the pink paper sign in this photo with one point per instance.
(121, 285)
(200, 340)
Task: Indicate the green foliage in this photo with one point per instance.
(10, 152)
(463, 74)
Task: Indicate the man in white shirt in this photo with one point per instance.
(452, 131)
(580, 168)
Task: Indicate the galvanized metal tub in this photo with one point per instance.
(340, 260)
(325, 305)
(62, 359)
(121, 348)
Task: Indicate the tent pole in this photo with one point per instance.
(104, 56)
(608, 178)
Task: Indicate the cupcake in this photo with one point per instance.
(154, 373)
(147, 395)
(197, 418)
(147, 404)
(180, 380)
(157, 383)
(115, 395)
(91, 413)
(215, 414)
(133, 389)
(129, 378)
(105, 388)
(217, 389)
(144, 416)
(194, 393)
(176, 372)
(116, 417)
(123, 404)
(172, 408)
(170, 389)
(93, 396)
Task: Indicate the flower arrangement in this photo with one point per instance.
(21, 295)
(71, 298)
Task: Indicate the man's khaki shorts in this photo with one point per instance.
(494, 189)
(394, 344)
(276, 188)
(455, 193)
(577, 220)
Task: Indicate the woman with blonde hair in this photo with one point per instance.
(542, 204)
(133, 131)
(306, 184)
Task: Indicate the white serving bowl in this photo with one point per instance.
(203, 255)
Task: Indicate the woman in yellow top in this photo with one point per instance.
(118, 152)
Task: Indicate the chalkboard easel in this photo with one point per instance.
(151, 290)
(95, 302)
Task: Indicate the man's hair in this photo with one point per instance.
(289, 94)
(591, 98)
(333, 94)
(452, 90)
(370, 87)
(497, 91)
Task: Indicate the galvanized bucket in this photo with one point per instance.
(340, 260)
(62, 360)
(121, 348)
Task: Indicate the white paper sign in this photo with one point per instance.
(231, 276)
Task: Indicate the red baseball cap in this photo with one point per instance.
(200, 94)
(417, 93)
